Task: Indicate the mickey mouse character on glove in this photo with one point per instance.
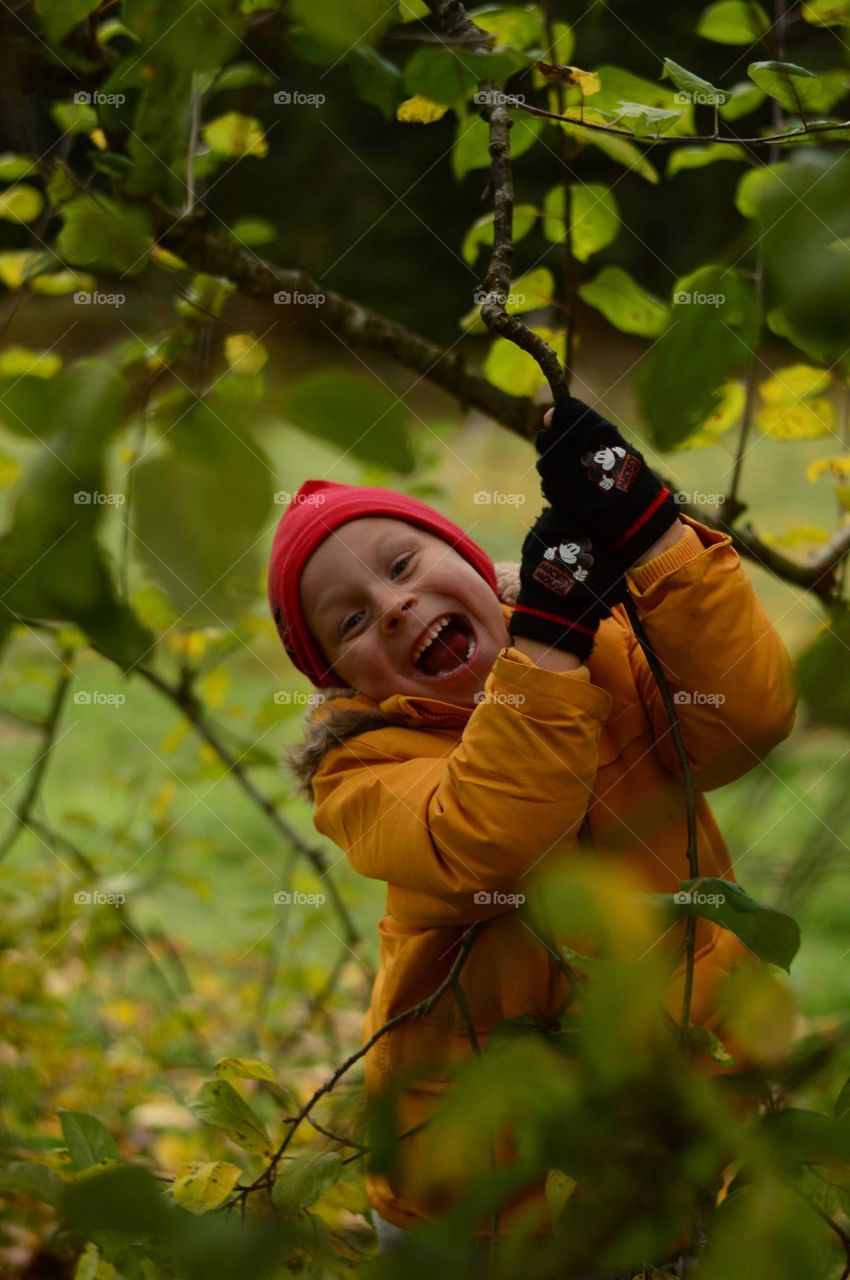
(611, 468)
(564, 565)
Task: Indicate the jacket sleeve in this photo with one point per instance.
(730, 674)
(453, 835)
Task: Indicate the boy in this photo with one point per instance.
(477, 725)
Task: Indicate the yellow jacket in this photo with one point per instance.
(445, 804)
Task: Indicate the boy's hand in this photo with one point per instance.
(594, 478)
(567, 586)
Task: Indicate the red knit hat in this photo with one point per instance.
(319, 507)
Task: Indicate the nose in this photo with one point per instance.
(394, 615)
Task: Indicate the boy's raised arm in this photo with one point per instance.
(454, 836)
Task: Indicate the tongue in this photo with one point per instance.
(446, 652)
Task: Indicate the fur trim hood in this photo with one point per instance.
(327, 725)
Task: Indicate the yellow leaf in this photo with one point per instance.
(513, 370)
(727, 413)
(559, 1188)
(838, 467)
(760, 1011)
(245, 1069)
(174, 737)
(98, 137)
(10, 471)
(802, 421)
(244, 353)
(201, 1187)
(165, 258)
(794, 382)
(587, 81)
(21, 203)
(214, 685)
(163, 799)
(236, 135)
(420, 110)
(842, 493)
(16, 265)
(798, 535)
(190, 644)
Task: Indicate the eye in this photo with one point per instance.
(401, 564)
(350, 621)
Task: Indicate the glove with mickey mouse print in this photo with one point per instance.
(593, 477)
(567, 586)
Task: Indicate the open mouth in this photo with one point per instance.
(446, 646)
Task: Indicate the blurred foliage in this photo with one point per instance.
(140, 485)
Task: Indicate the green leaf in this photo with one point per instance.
(439, 76)
(792, 85)
(733, 22)
(620, 150)
(594, 218)
(355, 414)
(646, 120)
(624, 303)
(699, 157)
(234, 134)
(254, 231)
(517, 28)
(301, 1181)
(31, 1179)
(21, 203)
(207, 565)
(376, 79)
(744, 97)
(513, 370)
(13, 167)
(58, 17)
(823, 672)
(481, 231)
(622, 93)
(105, 234)
(205, 298)
(755, 184)
(712, 331)
(334, 30)
(219, 1104)
(88, 1141)
(529, 292)
(201, 1186)
(57, 283)
(74, 117)
(771, 935)
(693, 88)
(472, 140)
(20, 362)
(827, 13)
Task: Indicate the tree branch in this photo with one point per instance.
(355, 325)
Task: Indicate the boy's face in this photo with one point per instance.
(377, 588)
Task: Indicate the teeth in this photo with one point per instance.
(431, 636)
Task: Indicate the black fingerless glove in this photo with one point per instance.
(594, 478)
(567, 586)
